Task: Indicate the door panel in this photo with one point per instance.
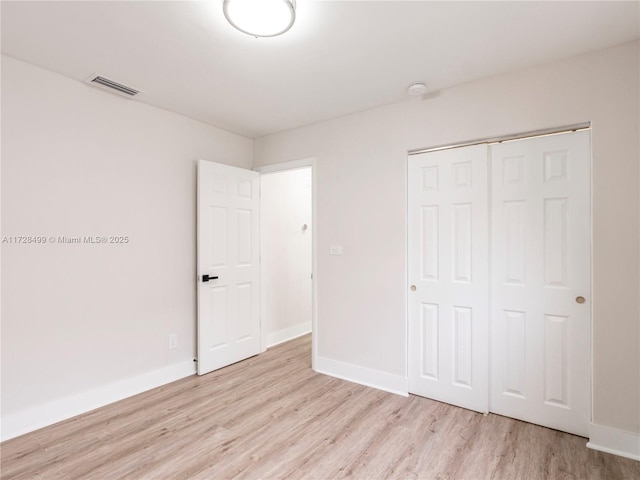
(540, 265)
(228, 236)
(539, 269)
(447, 242)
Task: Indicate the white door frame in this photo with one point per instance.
(279, 167)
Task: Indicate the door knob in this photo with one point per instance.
(413, 288)
(580, 300)
(206, 278)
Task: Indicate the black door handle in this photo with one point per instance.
(206, 278)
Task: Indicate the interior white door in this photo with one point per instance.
(541, 281)
(228, 265)
(448, 266)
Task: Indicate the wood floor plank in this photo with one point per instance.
(272, 417)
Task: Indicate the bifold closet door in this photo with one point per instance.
(448, 276)
(540, 326)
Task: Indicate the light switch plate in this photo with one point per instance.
(335, 250)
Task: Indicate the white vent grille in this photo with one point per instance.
(111, 85)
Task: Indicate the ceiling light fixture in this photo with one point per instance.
(260, 18)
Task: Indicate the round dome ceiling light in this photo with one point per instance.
(416, 89)
(260, 18)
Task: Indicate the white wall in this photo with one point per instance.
(285, 206)
(87, 324)
(361, 204)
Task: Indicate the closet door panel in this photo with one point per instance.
(448, 275)
(540, 325)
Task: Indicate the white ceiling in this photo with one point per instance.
(340, 56)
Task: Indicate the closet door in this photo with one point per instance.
(541, 281)
(447, 273)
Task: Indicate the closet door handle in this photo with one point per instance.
(206, 278)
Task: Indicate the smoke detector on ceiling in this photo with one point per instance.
(112, 86)
(417, 88)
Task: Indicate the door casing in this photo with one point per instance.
(278, 167)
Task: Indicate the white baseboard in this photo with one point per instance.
(364, 376)
(286, 334)
(612, 440)
(40, 416)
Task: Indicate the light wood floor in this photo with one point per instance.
(272, 417)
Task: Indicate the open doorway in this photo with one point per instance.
(286, 251)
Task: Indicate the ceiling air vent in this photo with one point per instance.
(111, 85)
